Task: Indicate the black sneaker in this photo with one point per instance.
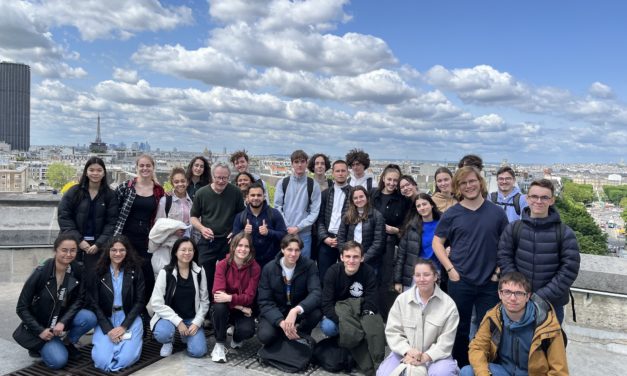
(34, 354)
(72, 352)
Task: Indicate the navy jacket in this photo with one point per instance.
(266, 247)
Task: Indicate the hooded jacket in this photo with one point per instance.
(550, 270)
(266, 247)
(484, 348)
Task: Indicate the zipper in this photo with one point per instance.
(103, 282)
(53, 299)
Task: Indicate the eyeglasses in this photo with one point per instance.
(539, 198)
(507, 178)
(469, 182)
(221, 178)
(68, 251)
(517, 294)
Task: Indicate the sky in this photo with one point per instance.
(530, 82)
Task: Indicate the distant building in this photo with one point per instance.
(98, 146)
(15, 105)
(13, 180)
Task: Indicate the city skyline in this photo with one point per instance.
(527, 82)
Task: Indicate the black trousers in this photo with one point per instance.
(268, 332)
(209, 253)
(222, 315)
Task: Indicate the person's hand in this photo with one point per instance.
(248, 229)
(391, 230)
(448, 251)
(192, 330)
(179, 233)
(289, 324)
(263, 229)
(453, 275)
(84, 245)
(246, 311)
(58, 329)
(412, 357)
(222, 297)
(207, 233)
(115, 334)
(182, 328)
(425, 358)
(93, 249)
(46, 334)
(398, 287)
(331, 242)
(292, 230)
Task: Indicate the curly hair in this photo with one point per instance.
(237, 155)
(358, 155)
(312, 162)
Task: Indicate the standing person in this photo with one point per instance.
(363, 224)
(350, 296)
(318, 165)
(443, 196)
(52, 303)
(139, 199)
(416, 241)
(508, 195)
(408, 186)
(520, 336)
(394, 207)
(180, 301)
(333, 206)
(213, 211)
(542, 248)
(473, 228)
(471, 160)
(297, 197)
(117, 291)
(240, 162)
(89, 211)
(178, 204)
(264, 224)
(421, 328)
(198, 175)
(234, 291)
(359, 162)
(288, 294)
(243, 180)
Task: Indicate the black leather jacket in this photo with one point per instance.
(101, 293)
(38, 298)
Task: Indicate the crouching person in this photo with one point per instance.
(289, 294)
(349, 304)
(180, 301)
(520, 336)
(234, 290)
(421, 328)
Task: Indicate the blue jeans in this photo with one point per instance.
(196, 344)
(54, 353)
(468, 296)
(495, 370)
(305, 236)
(329, 328)
(327, 256)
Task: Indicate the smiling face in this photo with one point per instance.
(390, 181)
(506, 183)
(145, 168)
(117, 254)
(95, 173)
(539, 200)
(291, 253)
(185, 252)
(241, 164)
(198, 168)
(424, 209)
(65, 253)
(514, 305)
(220, 179)
(255, 197)
(241, 251)
(470, 186)
(179, 183)
(352, 259)
(407, 188)
(320, 167)
(359, 199)
(425, 278)
(444, 182)
(243, 182)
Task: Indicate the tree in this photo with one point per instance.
(578, 192)
(615, 193)
(60, 174)
(589, 236)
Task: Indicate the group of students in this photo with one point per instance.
(335, 252)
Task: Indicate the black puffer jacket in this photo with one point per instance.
(408, 253)
(73, 215)
(372, 237)
(101, 293)
(326, 209)
(39, 296)
(550, 270)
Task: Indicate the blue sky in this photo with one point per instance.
(533, 81)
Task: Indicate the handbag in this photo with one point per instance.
(25, 338)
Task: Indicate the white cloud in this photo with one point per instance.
(128, 76)
(600, 90)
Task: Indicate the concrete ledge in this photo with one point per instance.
(602, 273)
(30, 200)
(28, 225)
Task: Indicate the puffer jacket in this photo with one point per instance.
(485, 346)
(409, 250)
(550, 270)
(73, 215)
(372, 237)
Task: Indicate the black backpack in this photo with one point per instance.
(331, 357)
(494, 197)
(289, 356)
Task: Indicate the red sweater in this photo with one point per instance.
(241, 283)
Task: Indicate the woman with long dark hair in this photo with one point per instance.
(52, 303)
(117, 291)
(408, 186)
(234, 290)
(180, 301)
(416, 239)
(89, 211)
(365, 225)
(198, 175)
(139, 199)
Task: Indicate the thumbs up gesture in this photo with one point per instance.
(263, 229)
(248, 229)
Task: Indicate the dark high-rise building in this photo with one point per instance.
(15, 105)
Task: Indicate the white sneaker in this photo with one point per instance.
(166, 350)
(218, 354)
(230, 330)
(236, 345)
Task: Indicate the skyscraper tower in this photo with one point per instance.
(15, 105)
(98, 146)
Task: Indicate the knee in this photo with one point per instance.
(164, 331)
(266, 333)
(444, 367)
(467, 371)
(221, 309)
(245, 330)
(197, 349)
(54, 354)
(329, 328)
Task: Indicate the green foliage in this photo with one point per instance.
(615, 193)
(590, 237)
(60, 174)
(578, 192)
(623, 203)
(271, 189)
(167, 186)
